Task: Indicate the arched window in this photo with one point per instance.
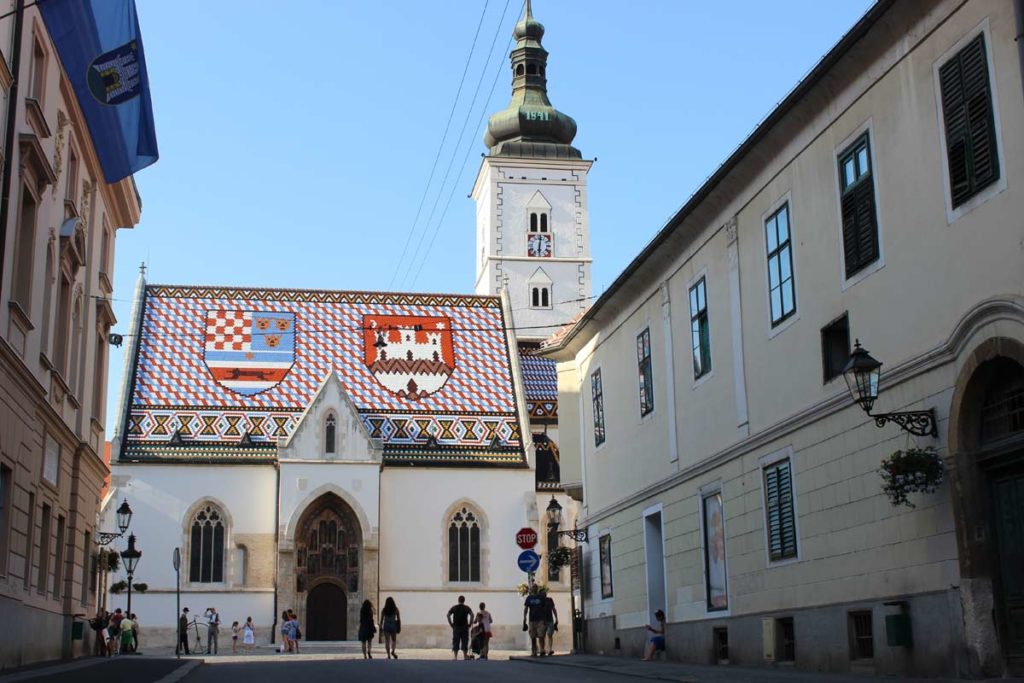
(519, 70)
(329, 429)
(531, 69)
(543, 222)
(533, 222)
(1002, 413)
(464, 546)
(545, 300)
(535, 297)
(206, 548)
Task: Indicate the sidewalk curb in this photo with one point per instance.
(552, 661)
(57, 668)
(181, 671)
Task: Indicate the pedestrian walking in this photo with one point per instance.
(127, 634)
(296, 634)
(135, 632)
(212, 629)
(235, 630)
(550, 625)
(367, 628)
(183, 632)
(248, 634)
(533, 610)
(484, 621)
(114, 631)
(286, 629)
(459, 618)
(390, 626)
(657, 641)
(99, 626)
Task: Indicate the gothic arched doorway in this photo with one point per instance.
(326, 613)
(328, 564)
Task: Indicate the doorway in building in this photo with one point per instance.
(326, 610)
(654, 543)
(1008, 521)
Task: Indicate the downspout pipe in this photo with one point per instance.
(277, 543)
(10, 127)
(1018, 12)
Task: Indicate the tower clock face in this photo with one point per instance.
(538, 245)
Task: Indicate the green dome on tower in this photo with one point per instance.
(530, 126)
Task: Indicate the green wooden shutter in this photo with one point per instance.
(781, 518)
(860, 226)
(970, 127)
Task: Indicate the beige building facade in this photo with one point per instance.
(728, 477)
(54, 325)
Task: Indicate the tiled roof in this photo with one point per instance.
(216, 364)
(540, 380)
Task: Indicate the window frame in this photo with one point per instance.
(825, 351)
(703, 321)
(776, 253)
(597, 407)
(706, 492)
(645, 372)
(769, 461)
(955, 213)
(6, 507)
(45, 537)
(866, 128)
(190, 520)
(453, 573)
(39, 55)
(605, 569)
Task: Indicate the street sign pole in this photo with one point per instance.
(176, 561)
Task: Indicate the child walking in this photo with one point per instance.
(234, 637)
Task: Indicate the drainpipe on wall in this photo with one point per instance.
(1018, 11)
(277, 546)
(10, 125)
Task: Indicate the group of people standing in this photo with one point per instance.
(212, 617)
(539, 610)
(470, 630)
(116, 633)
(390, 627)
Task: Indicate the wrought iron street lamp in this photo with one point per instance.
(862, 374)
(131, 557)
(124, 519)
(554, 513)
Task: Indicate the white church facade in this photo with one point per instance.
(307, 450)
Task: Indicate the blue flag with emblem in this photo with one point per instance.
(100, 46)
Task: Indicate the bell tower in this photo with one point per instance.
(531, 200)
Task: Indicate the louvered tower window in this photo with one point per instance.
(779, 511)
(970, 127)
(860, 224)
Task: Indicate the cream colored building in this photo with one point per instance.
(739, 491)
(54, 324)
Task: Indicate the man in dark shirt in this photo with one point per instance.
(550, 625)
(183, 632)
(534, 609)
(459, 618)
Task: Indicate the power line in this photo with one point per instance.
(444, 138)
(458, 143)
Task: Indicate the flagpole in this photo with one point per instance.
(10, 126)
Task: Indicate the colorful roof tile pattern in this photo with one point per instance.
(540, 384)
(429, 374)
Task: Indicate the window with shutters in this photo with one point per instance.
(780, 511)
(206, 547)
(597, 395)
(965, 94)
(700, 330)
(857, 205)
(645, 372)
(781, 284)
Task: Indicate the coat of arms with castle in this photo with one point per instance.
(409, 355)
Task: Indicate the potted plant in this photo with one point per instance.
(915, 470)
(560, 557)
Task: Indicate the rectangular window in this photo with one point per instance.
(785, 647)
(51, 459)
(554, 573)
(99, 380)
(86, 564)
(720, 636)
(835, 347)
(37, 73)
(716, 576)
(6, 484)
(605, 549)
(44, 550)
(699, 329)
(643, 359)
(105, 248)
(24, 252)
(862, 642)
(779, 510)
(857, 201)
(598, 396)
(781, 285)
(30, 544)
(58, 565)
(71, 190)
(966, 95)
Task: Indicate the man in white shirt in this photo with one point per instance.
(212, 629)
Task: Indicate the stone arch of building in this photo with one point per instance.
(365, 528)
(974, 466)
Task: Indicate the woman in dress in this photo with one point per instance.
(248, 634)
(286, 629)
(390, 625)
(366, 628)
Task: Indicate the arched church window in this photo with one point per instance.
(531, 69)
(535, 297)
(543, 222)
(329, 432)
(464, 546)
(1002, 413)
(519, 70)
(533, 222)
(206, 548)
(545, 300)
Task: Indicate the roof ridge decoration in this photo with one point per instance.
(320, 295)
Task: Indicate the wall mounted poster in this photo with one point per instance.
(606, 566)
(714, 552)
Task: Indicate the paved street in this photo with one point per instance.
(416, 665)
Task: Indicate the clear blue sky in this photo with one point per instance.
(296, 138)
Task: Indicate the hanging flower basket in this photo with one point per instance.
(560, 557)
(915, 470)
(118, 587)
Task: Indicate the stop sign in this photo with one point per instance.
(526, 538)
